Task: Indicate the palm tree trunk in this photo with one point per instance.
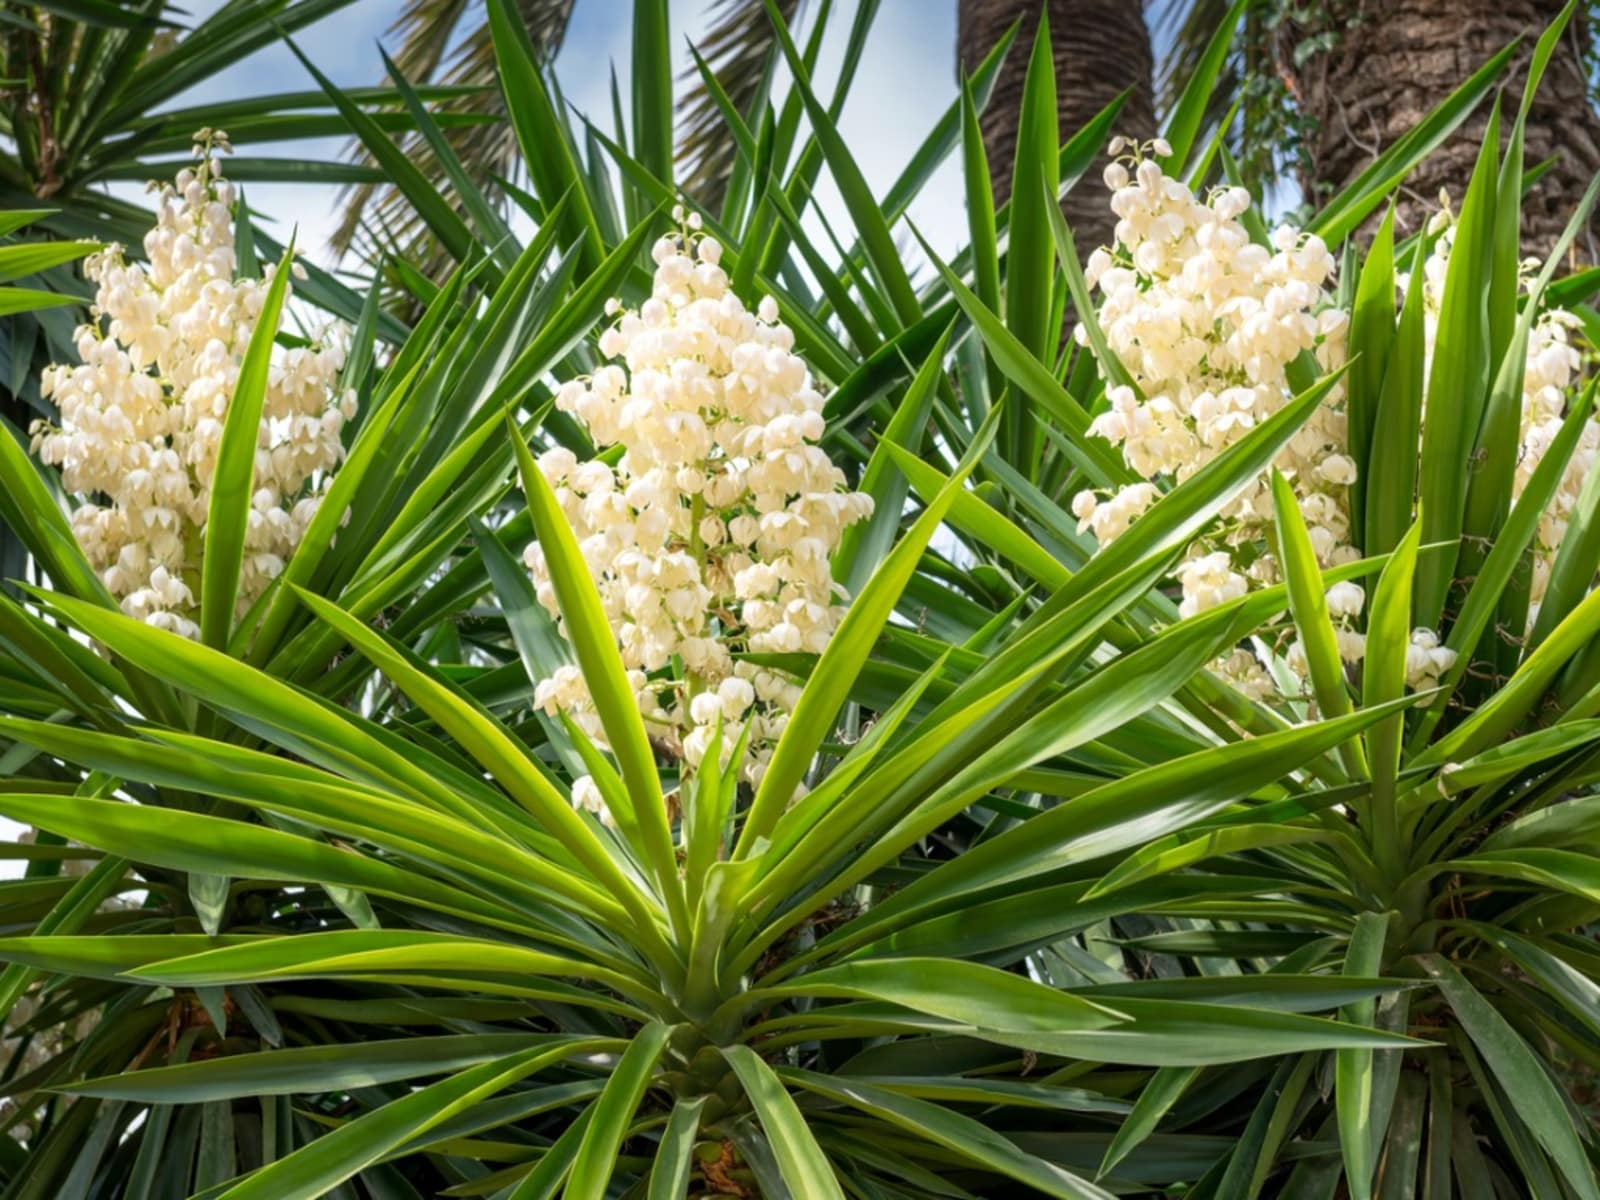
(1101, 47)
(1388, 62)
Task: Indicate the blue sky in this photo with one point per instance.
(906, 80)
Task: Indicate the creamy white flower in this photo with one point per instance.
(1243, 670)
(713, 531)
(1207, 323)
(1209, 580)
(142, 414)
(1426, 659)
(1345, 599)
(586, 797)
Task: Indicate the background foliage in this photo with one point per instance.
(1061, 915)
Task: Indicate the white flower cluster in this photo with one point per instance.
(1553, 366)
(1345, 600)
(713, 531)
(1207, 322)
(142, 416)
(1242, 671)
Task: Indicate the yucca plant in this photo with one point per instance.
(671, 1020)
(1060, 909)
(1453, 844)
(425, 454)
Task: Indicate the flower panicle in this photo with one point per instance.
(142, 412)
(712, 532)
(1208, 323)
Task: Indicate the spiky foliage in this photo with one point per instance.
(733, 71)
(22, 259)
(741, 53)
(446, 42)
(1255, 91)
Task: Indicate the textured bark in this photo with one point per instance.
(1392, 61)
(1100, 48)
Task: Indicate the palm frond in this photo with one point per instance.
(424, 34)
(738, 48)
(1184, 28)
